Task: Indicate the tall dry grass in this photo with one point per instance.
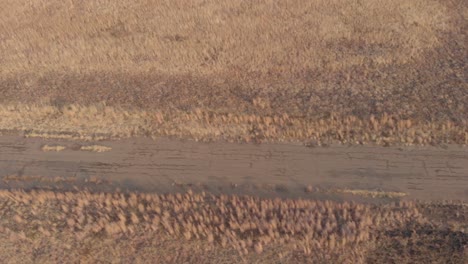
(44, 226)
(206, 37)
(100, 122)
(309, 60)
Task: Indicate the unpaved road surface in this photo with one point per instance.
(164, 165)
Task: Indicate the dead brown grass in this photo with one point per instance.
(373, 194)
(56, 148)
(39, 226)
(308, 60)
(209, 37)
(34, 178)
(96, 148)
(99, 122)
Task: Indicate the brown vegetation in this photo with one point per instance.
(208, 37)
(98, 122)
(373, 194)
(203, 68)
(209, 228)
(34, 178)
(96, 148)
(56, 148)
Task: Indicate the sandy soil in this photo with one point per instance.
(282, 170)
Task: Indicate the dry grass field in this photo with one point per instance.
(384, 72)
(66, 227)
(101, 122)
(334, 61)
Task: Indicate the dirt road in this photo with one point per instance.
(284, 170)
